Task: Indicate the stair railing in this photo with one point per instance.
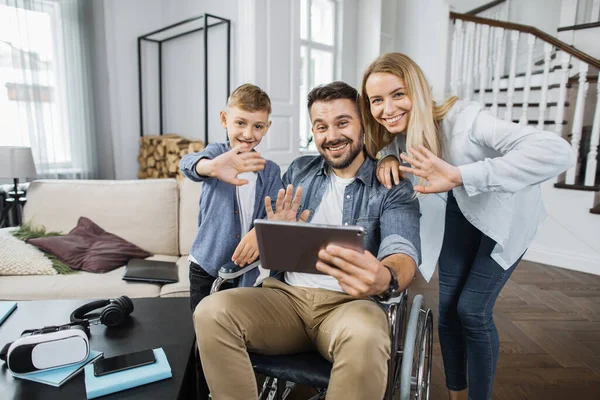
(498, 9)
(477, 64)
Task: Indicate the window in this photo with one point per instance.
(28, 80)
(44, 85)
(318, 55)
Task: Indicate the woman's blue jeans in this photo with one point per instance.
(470, 282)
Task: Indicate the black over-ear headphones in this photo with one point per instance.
(114, 313)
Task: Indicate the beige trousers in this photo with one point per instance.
(283, 319)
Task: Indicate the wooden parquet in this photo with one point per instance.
(548, 321)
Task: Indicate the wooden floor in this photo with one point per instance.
(549, 325)
(548, 321)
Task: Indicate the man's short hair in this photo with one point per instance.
(333, 91)
(249, 97)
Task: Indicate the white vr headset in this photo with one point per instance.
(47, 348)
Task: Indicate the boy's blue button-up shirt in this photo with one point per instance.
(219, 226)
(390, 217)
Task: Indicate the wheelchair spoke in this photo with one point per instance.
(265, 388)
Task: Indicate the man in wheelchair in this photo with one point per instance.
(332, 313)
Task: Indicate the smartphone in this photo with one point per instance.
(105, 366)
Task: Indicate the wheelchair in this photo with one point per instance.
(409, 367)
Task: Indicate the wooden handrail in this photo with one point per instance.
(579, 27)
(485, 7)
(534, 31)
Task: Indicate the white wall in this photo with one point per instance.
(368, 43)
(349, 73)
(125, 21)
(587, 40)
(463, 6)
(183, 100)
(543, 14)
(428, 48)
(104, 141)
(183, 69)
(570, 237)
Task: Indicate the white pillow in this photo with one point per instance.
(20, 258)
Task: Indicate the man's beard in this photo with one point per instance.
(342, 162)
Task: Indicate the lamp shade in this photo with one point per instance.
(16, 162)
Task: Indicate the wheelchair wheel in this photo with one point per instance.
(415, 370)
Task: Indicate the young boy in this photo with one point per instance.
(235, 182)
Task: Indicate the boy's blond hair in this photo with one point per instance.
(249, 97)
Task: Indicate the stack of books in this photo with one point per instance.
(97, 386)
(57, 376)
(6, 308)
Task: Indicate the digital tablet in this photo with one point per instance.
(138, 269)
(294, 246)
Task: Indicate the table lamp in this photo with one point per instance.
(15, 163)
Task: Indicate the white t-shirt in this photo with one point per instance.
(329, 212)
(246, 196)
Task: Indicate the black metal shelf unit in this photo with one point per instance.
(156, 37)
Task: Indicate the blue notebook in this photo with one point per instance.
(57, 376)
(6, 308)
(96, 386)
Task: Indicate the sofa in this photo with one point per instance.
(158, 215)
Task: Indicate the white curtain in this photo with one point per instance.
(45, 86)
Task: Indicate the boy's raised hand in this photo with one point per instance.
(286, 207)
(247, 250)
(227, 166)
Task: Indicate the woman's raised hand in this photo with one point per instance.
(388, 172)
(441, 176)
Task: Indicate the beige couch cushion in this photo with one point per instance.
(181, 288)
(189, 197)
(144, 212)
(81, 285)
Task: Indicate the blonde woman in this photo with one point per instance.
(478, 231)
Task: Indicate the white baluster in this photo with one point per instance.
(458, 29)
(468, 78)
(514, 40)
(496, 89)
(544, 95)
(465, 55)
(454, 66)
(527, 88)
(578, 119)
(507, 10)
(476, 59)
(592, 163)
(483, 61)
(595, 11)
(562, 95)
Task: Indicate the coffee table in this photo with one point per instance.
(155, 322)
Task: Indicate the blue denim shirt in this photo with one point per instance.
(390, 217)
(219, 226)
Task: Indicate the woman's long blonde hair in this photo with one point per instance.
(424, 116)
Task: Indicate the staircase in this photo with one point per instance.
(526, 76)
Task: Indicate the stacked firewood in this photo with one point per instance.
(159, 155)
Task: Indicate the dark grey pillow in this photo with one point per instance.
(90, 248)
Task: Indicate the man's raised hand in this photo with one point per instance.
(227, 166)
(286, 206)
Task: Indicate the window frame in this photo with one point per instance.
(306, 138)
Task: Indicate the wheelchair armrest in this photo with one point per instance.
(395, 299)
(232, 271)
